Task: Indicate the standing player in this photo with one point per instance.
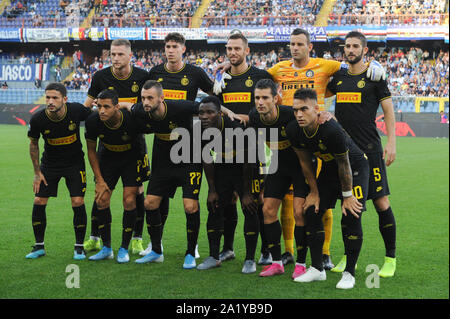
(119, 158)
(298, 72)
(226, 175)
(238, 96)
(127, 81)
(357, 101)
(163, 117)
(284, 171)
(180, 81)
(344, 174)
(59, 125)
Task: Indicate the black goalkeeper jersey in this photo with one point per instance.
(357, 102)
(62, 146)
(182, 84)
(238, 94)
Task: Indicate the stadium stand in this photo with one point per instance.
(389, 12)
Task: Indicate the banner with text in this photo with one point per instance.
(24, 72)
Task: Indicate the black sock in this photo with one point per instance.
(315, 236)
(79, 223)
(192, 229)
(95, 232)
(388, 230)
(251, 230)
(262, 231)
(154, 227)
(353, 242)
(301, 243)
(104, 225)
(231, 220)
(164, 211)
(39, 223)
(214, 229)
(128, 222)
(273, 235)
(344, 235)
(140, 215)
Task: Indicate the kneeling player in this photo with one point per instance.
(119, 158)
(59, 125)
(344, 174)
(225, 176)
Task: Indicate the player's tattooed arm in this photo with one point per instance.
(305, 159)
(349, 202)
(38, 176)
(100, 185)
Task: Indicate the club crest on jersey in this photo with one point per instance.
(125, 137)
(249, 83)
(101, 136)
(172, 125)
(184, 81)
(72, 126)
(321, 146)
(295, 74)
(361, 84)
(160, 80)
(309, 73)
(135, 87)
(111, 88)
(283, 131)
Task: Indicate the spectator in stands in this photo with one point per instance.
(38, 83)
(444, 118)
(5, 86)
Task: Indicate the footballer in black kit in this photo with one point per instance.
(357, 102)
(230, 172)
(119, 157)
(344, 175)
(59, 126)
(129, 91)
(182, 84)
(162, 117)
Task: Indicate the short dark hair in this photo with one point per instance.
(212, 99)
(57, 87)
(153, 84)
(305, 93)
(121, 42)
(298, 31)
(237, 34)
(358, 35)
(109, 94)
(267, 84)
(176, 37)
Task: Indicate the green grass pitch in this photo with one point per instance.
(419, 182)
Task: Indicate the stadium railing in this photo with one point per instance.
(388, 19)
(417, 104)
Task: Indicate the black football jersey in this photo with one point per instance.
(182, 84)
(128, 89)
(118, 142)
(357, 102)
(238, 94)
(287, 159)
(178, 114)
(329, 140)
(62, 146)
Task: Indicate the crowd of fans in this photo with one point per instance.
(388, 12)
(133, 13)
(261, 12)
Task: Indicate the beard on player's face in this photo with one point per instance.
(352, 58)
